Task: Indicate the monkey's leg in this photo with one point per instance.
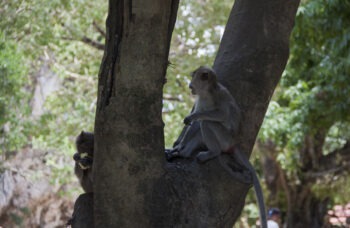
(216, 138)
(191, 140)
(181, 136)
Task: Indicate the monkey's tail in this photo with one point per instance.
(259, 195)
(257, 188)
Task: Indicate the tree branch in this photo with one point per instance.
(99, 29)
(88, 41)
(335, 163)
(345, 166)
(93, 43)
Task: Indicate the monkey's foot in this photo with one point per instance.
(244, 177)
(206, 156)
(171, 154)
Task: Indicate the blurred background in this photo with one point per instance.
(50, 52)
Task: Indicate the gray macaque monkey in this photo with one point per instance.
(83, 160)
(211, 129)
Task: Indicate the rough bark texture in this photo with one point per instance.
(252, 56)
(132, 189)
(128, 129)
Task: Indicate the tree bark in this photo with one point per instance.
(131, 186)
(128, 127)
(251, 58)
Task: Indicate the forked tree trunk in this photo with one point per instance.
(133, 185)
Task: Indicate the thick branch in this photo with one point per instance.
(252, 55)
(251, 58)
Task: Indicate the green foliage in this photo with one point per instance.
(314, 91)
(313, 95)
(13, 96)
(36, 34)
(320, 58)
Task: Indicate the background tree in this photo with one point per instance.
(305, 137)
(130, 181)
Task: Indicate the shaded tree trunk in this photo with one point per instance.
(128, 127)
(307, 210)
(133, 185)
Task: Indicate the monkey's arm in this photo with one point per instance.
(217, 115)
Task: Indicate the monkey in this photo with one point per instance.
(225, 115)
(83, 160)
(211, 129)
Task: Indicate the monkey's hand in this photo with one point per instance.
(170, 154)
(83, 160)
(188, 119)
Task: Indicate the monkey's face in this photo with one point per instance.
(203, 80)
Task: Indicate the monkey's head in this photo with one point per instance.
(85, 143)
(203, 80)
(85, 148)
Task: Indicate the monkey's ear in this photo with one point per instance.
(204, 76)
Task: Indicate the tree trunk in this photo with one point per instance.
(131, 187)
(307, 210)
(128, 128)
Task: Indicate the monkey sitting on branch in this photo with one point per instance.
(211, 129)
(83, 159)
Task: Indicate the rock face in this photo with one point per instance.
(27, 197)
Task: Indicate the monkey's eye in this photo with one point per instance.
(204, 76)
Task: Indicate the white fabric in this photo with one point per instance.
(272, 224)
